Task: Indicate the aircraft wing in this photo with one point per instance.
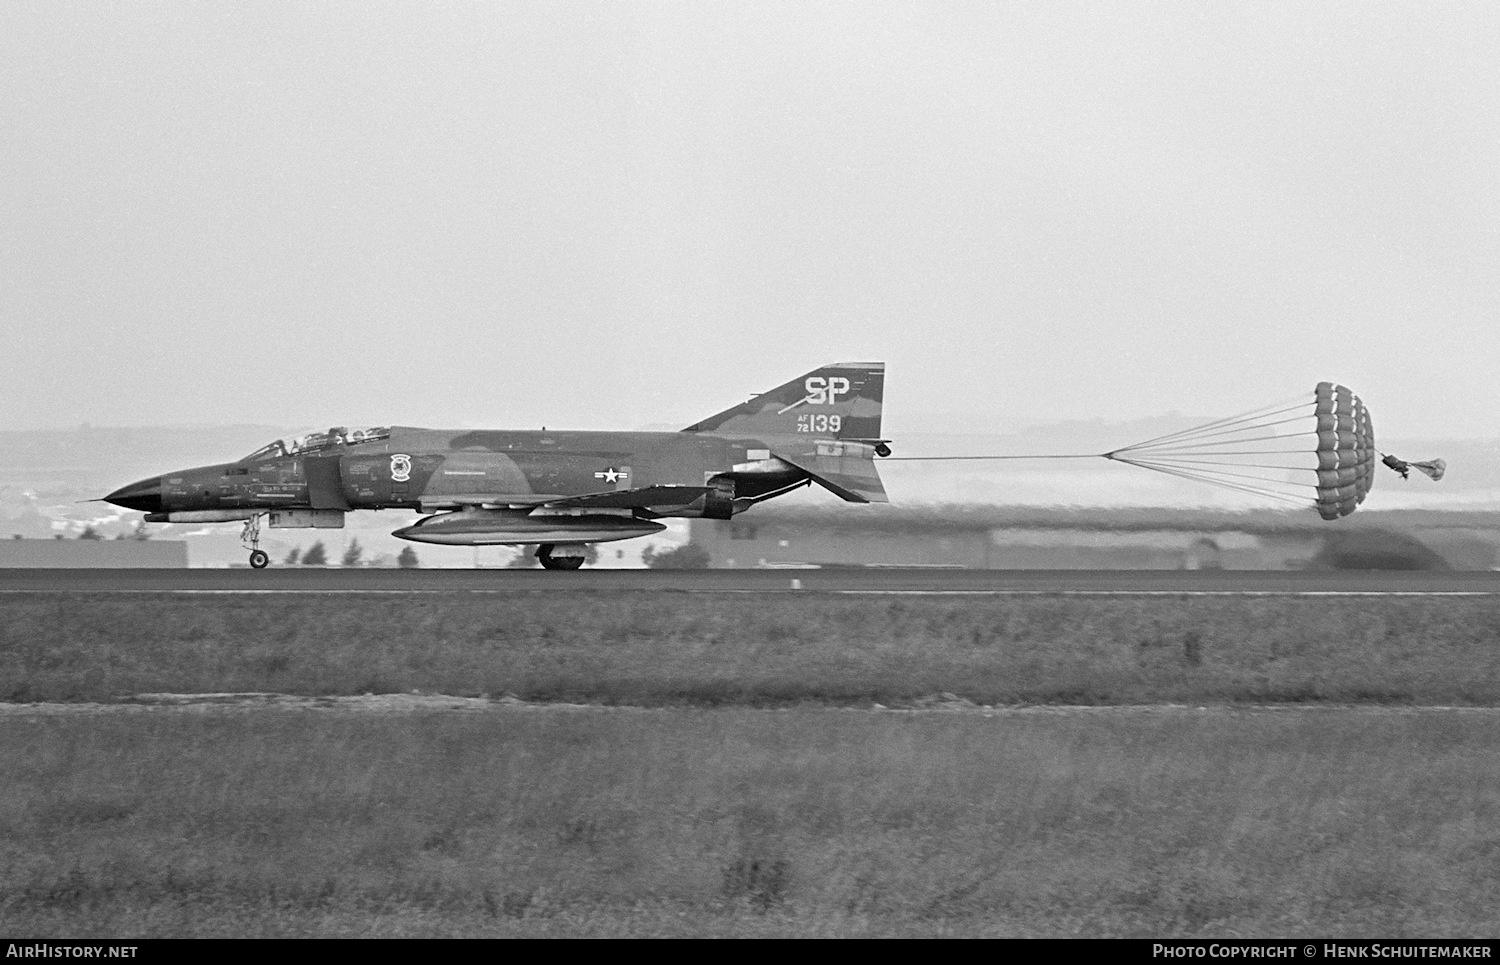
(485, 500)
(644, 497)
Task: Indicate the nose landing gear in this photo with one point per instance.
(250, 537)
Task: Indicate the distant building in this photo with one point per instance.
(1000, 538)
(743, 543)
(93, 553)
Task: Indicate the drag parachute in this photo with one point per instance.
(1318, 446)
(1314, 449)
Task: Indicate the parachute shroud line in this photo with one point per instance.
(1328, 462)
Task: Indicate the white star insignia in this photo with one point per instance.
(611, 474)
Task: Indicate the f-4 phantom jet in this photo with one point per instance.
(559, 490)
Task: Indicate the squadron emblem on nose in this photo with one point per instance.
(400, 468)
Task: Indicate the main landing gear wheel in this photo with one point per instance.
(250, 537)
(550, 559)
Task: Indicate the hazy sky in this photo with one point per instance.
(616, 214)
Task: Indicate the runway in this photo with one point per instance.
(850, 580)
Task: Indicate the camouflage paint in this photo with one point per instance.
(823, 428)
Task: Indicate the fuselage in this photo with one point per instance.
(432, 470)
(556, 489)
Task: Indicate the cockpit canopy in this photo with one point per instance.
(318, 441)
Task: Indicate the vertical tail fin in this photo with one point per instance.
(839, 401)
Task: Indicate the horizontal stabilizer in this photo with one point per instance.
(852, 478)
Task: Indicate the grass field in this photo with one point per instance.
(674, 649)
(805, 821)
(749, 790)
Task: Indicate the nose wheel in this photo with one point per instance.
(250, 537)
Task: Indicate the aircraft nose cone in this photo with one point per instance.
(144, 496)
